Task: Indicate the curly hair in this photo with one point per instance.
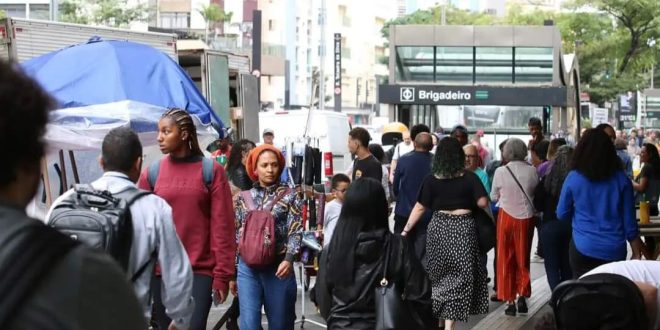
(595, 156)
(449, 160)
(559, 171)
(378, 152)
(23, 120)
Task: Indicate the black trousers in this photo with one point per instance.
(201, 294)
(581, 264)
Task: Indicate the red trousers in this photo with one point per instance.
(513, 241)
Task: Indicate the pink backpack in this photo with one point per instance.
(256, 245)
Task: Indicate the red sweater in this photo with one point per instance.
(204, 221)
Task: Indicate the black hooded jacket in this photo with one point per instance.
(353, 307)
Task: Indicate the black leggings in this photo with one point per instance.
(201, 294)
(581, 264)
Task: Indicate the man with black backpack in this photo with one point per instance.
(47, 280)
(133, 226)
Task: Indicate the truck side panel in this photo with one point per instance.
(32, 38)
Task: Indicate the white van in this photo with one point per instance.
(329, 127)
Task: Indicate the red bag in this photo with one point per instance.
(256, 245)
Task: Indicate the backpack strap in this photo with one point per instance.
(130, 196)
(207, 171)
(152, 257)
(269, 206)
(34, 251)
(152, 174)
(137, 194)
(249, 202)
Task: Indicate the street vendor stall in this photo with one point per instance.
(100, 85)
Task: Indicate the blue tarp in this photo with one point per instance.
(100, 72)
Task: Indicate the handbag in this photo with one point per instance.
(392, 311)
(486, 231)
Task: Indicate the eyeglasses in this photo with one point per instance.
(471, 156)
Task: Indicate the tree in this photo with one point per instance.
(213, 14)
(72, 11)
(118, 13)
(114, 13)
(641, 20)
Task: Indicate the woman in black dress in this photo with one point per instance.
(459, 286)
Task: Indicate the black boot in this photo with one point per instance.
(522, 305)
(510, 310)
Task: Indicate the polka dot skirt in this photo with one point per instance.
(458, 278)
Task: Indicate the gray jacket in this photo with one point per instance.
(154, 230)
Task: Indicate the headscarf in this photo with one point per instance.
(253, 157)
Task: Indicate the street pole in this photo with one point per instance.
(54, 10)
(322, 59)
(443, 19)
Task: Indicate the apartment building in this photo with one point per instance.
(34, 9)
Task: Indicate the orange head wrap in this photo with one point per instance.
(251, 161)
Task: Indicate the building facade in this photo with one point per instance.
(32, 9)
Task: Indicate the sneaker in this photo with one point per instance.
(522, 305)
(510, 310)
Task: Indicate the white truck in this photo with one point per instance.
(23, 39)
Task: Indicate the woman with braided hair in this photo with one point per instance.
(198, 191)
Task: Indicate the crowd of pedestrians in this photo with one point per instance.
(201, 230)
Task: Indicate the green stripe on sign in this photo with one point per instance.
(482, 95)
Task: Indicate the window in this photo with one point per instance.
(271, 25)
(453, 64)
(414, 63)
(175, 20)
(501, 118)
(533, 65)
(493, 65)
(39, 11)
(14, 10)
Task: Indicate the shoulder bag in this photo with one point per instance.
(529, 200)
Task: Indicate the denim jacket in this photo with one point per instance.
(287, 214)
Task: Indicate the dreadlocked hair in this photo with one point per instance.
(185, 123)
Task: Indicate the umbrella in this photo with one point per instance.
(393, 133)
(103, 72)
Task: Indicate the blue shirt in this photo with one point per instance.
(411, 170)
(603, 214)
(483, 176)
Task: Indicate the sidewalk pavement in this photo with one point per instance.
(537, 271)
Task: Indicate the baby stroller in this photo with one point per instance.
(599, 301)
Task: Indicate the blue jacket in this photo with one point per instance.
(411, 170)
(603, 214)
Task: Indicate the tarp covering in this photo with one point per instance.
(84, 128)
(101, 72)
